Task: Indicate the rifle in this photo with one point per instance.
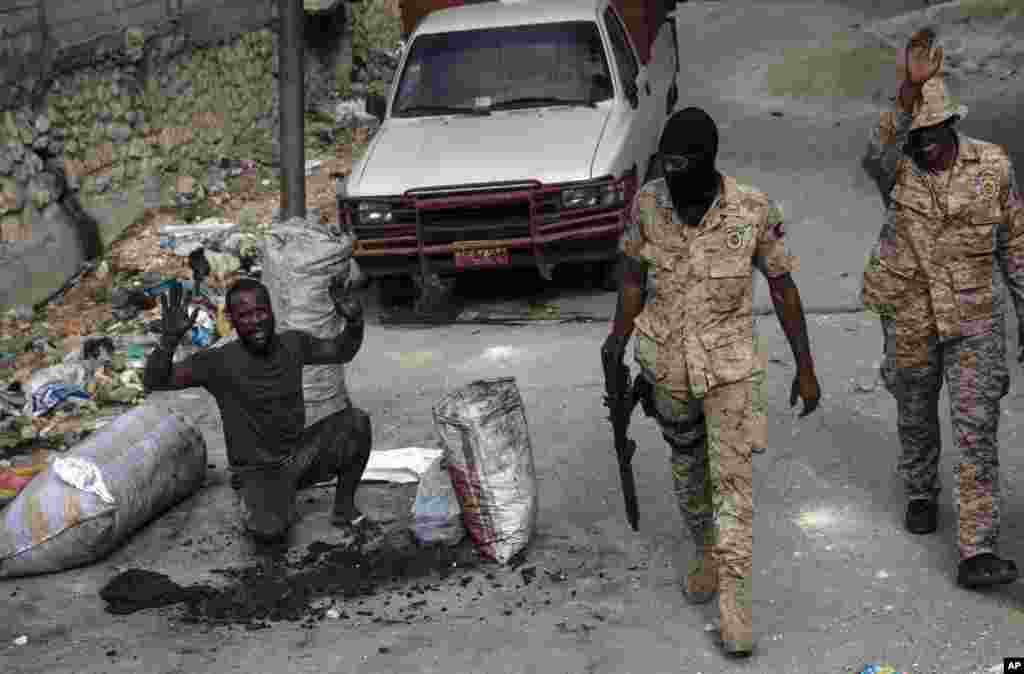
(620, 399)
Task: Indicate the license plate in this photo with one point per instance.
(483, 257)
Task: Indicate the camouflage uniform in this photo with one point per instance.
(696, 344)
(934, 278)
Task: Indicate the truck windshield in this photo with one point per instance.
(526, 66)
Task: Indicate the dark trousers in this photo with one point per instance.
(325, 451)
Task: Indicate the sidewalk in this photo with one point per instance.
(839, 584)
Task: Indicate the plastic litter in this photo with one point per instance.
(49, 396)
(148, 460)
(51, 386)
(489, 456)
(184, 239)
(204, 332)
(84, 475)
(15, 478)
(436, 513)
(21, 641)
(98, 348)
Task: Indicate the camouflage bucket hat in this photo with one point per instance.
(935, 106)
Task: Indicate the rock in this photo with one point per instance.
(102, 183)
(6, 163)
(16, 151)
(23, 312)
(119, 133)
(33, 163)
(349, 108)
(42, 124)
(41, 143)
(216, 180)
(55, 148)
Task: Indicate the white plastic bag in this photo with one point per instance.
(436, 513)
(490, 460)
(90, 501)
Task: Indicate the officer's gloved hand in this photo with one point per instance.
(614, 349)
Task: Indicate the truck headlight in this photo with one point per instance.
(593, 196)
(374, 212)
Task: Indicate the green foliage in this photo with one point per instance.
(343, 80)
(373, 26)
(992, 9)
(840, 70)
(200, 210)
(102, 295)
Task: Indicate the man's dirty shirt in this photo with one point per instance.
(696, 330)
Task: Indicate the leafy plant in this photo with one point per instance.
(373, 26)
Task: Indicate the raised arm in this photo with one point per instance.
(885, 148)
(344, 347)
(161, 374)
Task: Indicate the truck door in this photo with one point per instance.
(633, 79)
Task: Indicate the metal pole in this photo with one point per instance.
(292, 98)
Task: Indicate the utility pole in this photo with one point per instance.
(292, 93)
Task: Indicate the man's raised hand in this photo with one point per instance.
(923, 57)
(176, 321)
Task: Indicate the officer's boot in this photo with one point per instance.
(734, 607)
(702, 581)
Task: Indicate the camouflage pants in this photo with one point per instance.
(711, 440)
(977, 377)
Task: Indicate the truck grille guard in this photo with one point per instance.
(517, 215)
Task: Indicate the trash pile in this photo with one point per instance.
(54, 393)
(228, 247)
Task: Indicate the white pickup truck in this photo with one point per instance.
(515, 134)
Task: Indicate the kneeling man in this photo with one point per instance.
(257, 382)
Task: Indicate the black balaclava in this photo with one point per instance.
(692, 132)
(941, 136)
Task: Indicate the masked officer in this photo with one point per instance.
(689, 249)
(954, 230)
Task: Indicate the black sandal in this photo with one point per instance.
(986, 570)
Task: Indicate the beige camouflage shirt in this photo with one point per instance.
(937, 269)
(696, 330)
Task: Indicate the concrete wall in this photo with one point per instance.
(107, 102)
